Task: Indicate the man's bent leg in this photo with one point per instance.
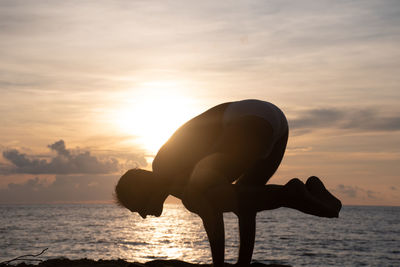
(252, 199)
(293, 195)
(298, 196)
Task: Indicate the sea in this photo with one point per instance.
(361, 236)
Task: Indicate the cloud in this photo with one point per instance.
(355, 192)
(371, 194)
(298, 149)
(66, 161)
(315, 118)
(349, 191)
(370, 119)
(65, 188)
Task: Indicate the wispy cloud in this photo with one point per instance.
(355, 192)
(213, 37)
(361, 119)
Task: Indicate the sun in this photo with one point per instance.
(153, 112)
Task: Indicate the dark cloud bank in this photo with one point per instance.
(66, 161)
(79, 176)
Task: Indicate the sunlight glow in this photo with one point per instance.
(179, 234)
(153, 112)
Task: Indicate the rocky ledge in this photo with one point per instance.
(122, 263)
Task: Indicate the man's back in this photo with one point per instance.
(190, 143)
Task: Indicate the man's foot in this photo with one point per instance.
(298, 196)
(317, 189)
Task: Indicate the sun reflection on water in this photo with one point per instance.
(176, 235)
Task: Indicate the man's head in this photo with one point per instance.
(138, 191)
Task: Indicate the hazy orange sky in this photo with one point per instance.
(90, 89)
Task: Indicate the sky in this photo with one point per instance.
(90, 89)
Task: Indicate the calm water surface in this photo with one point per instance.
(362, 236)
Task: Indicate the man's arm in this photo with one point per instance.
(213, 222)
(203, 195)
(214, 225)
(247, 233)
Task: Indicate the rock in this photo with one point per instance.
(62, 262)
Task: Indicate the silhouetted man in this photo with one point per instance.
(220, 161)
